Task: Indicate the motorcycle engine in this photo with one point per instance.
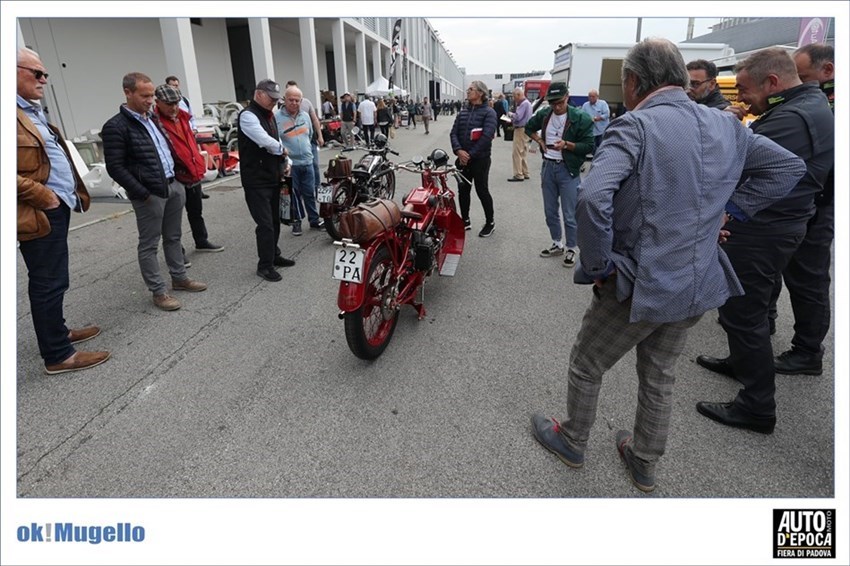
(425, 251)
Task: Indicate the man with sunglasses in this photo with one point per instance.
(703, 84)
(49, 188)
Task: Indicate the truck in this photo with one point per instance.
(586, 66)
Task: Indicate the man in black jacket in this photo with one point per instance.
(797, 116)
(139, 158)
(260, 155)
(472, 139)
(704, 89)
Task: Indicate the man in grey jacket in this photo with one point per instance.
(649, 215)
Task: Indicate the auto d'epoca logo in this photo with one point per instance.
(804, 533)
(71, 532)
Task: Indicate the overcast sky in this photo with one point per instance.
(513, 45)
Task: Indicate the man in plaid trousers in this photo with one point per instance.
(649, 217)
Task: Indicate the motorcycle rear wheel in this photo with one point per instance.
(368, 330)
(332, 223)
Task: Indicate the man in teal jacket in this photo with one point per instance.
(565, 137)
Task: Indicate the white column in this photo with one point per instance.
(376, 61)
(340, 65)
(261, 49)
(310, 62)
(360, 51)
(21, 42)
(180, 60)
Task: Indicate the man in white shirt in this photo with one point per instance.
(367, 110)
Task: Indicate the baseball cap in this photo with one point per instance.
(556, 91)
(270, 87)
(167, 93)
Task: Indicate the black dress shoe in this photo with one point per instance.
(717, 365)
(281, 261)
(730, 414)
(269, 274)
(795, 362)
(516, 180)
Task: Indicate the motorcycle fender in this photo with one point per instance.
(351, 295)
(449, 220)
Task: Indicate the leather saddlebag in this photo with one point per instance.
(367, 220)
(339, 167)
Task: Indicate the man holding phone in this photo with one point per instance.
(565, 137)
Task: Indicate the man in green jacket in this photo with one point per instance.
(565, 137)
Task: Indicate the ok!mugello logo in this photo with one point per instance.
(71, 532)
(804, 533)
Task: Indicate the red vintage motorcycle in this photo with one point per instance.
(387, 253)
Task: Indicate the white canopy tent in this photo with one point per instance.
(381, 87)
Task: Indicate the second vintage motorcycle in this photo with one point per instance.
(386, 254)
(372, 176)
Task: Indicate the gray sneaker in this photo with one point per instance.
(570, 258)
(296, 228)
(552, 252)
(640, 480)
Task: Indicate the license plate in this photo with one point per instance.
(325, 194)
(348, 264)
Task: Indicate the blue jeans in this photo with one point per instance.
(304, 191)
(558, 184)
(46, 259)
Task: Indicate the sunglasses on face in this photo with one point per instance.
(38, 74)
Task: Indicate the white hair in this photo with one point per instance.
(293, 89)
(24, 52)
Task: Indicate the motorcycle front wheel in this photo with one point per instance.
(387, 186)
(368, 330)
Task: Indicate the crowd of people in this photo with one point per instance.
(684, 210)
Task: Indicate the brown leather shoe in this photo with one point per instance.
(78, 335)
(166, 302)
(78, 361)
(188, 285)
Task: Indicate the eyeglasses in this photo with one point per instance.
(558, 102)
(37, 73)
(697, 84)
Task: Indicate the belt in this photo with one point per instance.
(170, 180)
(553, 160)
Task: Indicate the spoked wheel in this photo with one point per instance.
(387, 186)
(332, 223)
(369, 329)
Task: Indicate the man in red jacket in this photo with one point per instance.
(189, 164)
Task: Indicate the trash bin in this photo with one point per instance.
(509, 132)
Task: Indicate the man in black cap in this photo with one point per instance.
(565, 137)
(260, 155)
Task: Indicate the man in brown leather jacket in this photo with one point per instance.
(49, 187)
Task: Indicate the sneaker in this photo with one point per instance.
(188, 285)
(187, 264)
(77, 361)
(516, 179)
(570, 258)
(208, 247)
(166, 302)
(83, 334)
(281, 261)
(487, 231)
(467, 225)
(204, 195)
(641, 481)
(296, 228)
(269, 274)
(318, 225)
(547, 431)
(552, 252)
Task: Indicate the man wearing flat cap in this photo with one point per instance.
(139, 158)
(261, 155)
(348, 112)
(189, 164)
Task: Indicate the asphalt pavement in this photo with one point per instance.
(250, 391)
